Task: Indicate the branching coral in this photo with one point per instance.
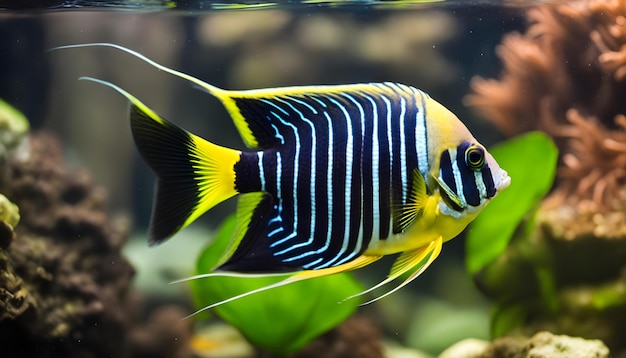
(596, 161)
(567, 76)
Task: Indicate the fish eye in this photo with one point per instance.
(475, 157)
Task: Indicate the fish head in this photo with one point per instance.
(463, 172)
(468, 178)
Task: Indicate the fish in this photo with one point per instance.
(335, 177)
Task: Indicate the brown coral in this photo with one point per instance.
(63, 268)
(65, 288)
(565, 76)
(595, 165)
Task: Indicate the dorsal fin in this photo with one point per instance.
(262, 115)
(251, 110)
(265, 118)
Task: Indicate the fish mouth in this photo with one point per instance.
(504, 182)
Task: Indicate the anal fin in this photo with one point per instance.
(251, 210)
(250, 249)
(357, 263)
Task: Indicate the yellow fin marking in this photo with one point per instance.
(213, 177)
(215, 174)
(240, 122)
(357, 263)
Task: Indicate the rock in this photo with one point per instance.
(467, 348)
(546, 345)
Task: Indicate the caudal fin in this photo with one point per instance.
(193, 175)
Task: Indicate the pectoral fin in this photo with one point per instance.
(406, 213)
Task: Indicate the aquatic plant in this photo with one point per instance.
(565, 75)
(281, 320)
(13, 128)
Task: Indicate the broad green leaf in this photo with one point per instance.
(282, 319)
(531, 161)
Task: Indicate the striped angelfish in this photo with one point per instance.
(341, 176)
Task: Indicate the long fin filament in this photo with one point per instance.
(208, 87)
(223, 95)
(245, 294)
(359, 262)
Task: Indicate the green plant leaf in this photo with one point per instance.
(531, 161)
(282, 319)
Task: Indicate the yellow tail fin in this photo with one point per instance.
(193, 175)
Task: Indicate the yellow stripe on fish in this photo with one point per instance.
(343, 175)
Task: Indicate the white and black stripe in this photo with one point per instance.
(341, 162)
